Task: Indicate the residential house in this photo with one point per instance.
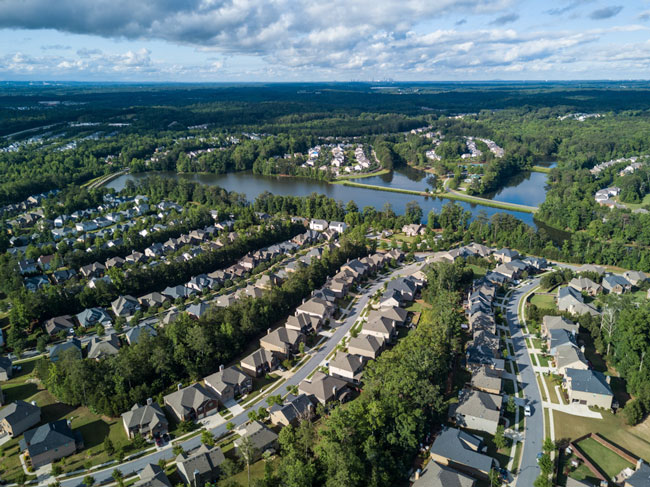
(135, 258)
(369, 346)
(380, 327)
(506, 255)
(115, 262)
(613, 283)
(282, 341)
(414, 229)
(125, 306)
(591, 269)
(303, 323)
(153, 300)
(148, 421)
(462, 451)
(640, 477)
(229, 383)
(292, 410)
(134, 335)
(93, 316)
(59, 324)
(391, 298)
(45, 262)
(95, 269)
(318, 225)
(569, 356)
(258, 363)
(568, 299)
(324, 388)
(487, 380)
(636, 278)
(18, 417)
(226, 300)
(191, 403)
(102, 347)
(508, 270)
(200, 468)
(395, 314)
(338, 226)
(260, 437)
(589, 387)
(585, 285)
(478, 410)
(558, 323)
(35, 283)
(50, 442)
(347, 366)
(6, 368)
(152, 476)
(72, 346)
(318, 308)
(436, 475)
(179, 291)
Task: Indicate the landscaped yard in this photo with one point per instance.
(551, 388)
(543, 360)
(543, 301)
(635, 439)
(605, 459)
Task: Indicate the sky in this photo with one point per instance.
(323, 40)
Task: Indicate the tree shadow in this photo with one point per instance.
(94, 432)
(55, 411)
(20, 392)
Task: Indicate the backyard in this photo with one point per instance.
(604, 458)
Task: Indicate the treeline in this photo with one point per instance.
(186, 349)
(372, 440)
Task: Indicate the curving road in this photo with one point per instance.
(136, 465)
(534, 425)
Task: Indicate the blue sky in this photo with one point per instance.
(308, 40)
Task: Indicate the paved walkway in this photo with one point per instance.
(234, 407)
(574, 409)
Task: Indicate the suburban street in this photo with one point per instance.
(534, 425)
(312, 364)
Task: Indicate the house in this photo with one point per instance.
(405, 286)
(413, 230)
(282, 341)
(27, 266)
(380, 327)
(99, 348)
(568, 299)
(569, 356)
(71, 347)
(153, 300)
(17, 417)
(324, 388)
(303, 323)
(152, 476)
(191, 403)
(318, 225)
(180, 291)
(95, 269)
(557, 323)
(135, 258)
(613, 283)
(436, 475)
(200, 468)
(390, 299)
(508, 270)
(292, 410)
(506, 255)
(125, 306)
(591, 269)
(640, 477)
(395, 314)
(226, 300)
(636, 278)
(6, 368)
(261, 439)
(134, 335)
(45, 262)
(148, 421)
(462, 451)
(477, 410)
(318, 308)
(54, 326)
(347, 366)
(260, 362)
(93, 316)
(486, 380)
(49, 442)
(338, 226)
(585, 285)
(589, 387)
(35, 283)
(229, 383)
(369, 346)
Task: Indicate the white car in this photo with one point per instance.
(527, 411)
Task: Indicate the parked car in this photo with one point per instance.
(527, 411)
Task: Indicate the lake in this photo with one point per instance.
(254, 184)
(526, 188)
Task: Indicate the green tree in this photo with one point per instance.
(247, 452)
(546, 464)
(108, 446)
(88, 481)
(548, 446)
(207, 438)
(118, 477)
(500, 440)
(495, 478)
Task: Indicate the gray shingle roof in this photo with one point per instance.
(454, 444)
(590, 381)
(148, 416)
(18, 411)
(47, 437)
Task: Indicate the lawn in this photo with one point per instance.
(541, 387)
(257, 472)
(503, 455)
(537, 343)
(551, 388)
(517, 458)
(543, 360)
(508, 386)
(635, 439)
(543, 301)
(478, 271)
(608, 461)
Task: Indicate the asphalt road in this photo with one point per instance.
(534, 425)
(138, 464)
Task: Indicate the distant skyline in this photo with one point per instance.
(334, 40)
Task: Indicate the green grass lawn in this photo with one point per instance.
(517, 458)
(543, 360)
(543, 301)
(541, 387)
(644, 202)
(478, 271)
(635, 439)
(608, 461)
(533, 359)
(508, 386)
(537, 343)
(257, 472)
(551, 388)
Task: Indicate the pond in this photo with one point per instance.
(254, 184)
(526, 188)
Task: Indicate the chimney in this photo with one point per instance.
(268, 331)
(608, 379)
(334, 391)
(582, 349)
(221, 368)
(149, 401)
(417, 474)
(179, 386)
(33, 403)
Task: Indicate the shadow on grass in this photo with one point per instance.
(55, 411)
(94, 432)
(19, 392)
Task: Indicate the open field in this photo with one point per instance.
(608, 461)
(543, 301)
